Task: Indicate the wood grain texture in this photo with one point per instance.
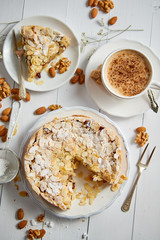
(147, 215)
(142, 221)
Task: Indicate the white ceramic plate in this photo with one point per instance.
(106, 197)
(107, 102)
(72, 53)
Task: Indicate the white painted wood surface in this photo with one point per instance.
(142, 221)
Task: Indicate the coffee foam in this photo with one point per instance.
(127, 72)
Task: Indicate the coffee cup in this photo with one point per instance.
(128, 73)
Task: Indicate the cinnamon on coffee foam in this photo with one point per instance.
(127, 72)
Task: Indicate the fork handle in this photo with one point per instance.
(22, 90)
(126, 205)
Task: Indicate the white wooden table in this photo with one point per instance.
(142, 222)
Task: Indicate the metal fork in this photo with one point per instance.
(126, 205)
(19, 53)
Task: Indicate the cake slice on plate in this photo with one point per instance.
(41, 45)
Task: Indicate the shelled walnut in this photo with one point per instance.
(62, 65)
(142, 137)
(54, 107)
(106, 5)
(40, 218)
(5, 89)
(35, 234)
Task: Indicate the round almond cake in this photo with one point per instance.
(54, 152)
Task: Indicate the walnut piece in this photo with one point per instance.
(105, 5)
(141, 138)
(40, 218)
(62, 65)
(5, 89)
(54, 107)
(96, 75)
(35, 234)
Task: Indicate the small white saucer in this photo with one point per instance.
(108, 103)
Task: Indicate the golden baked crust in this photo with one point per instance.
(54, 151)
(41, 45)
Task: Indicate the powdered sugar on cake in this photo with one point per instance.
(55, 150)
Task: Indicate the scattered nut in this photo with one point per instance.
(22, 224)
(141, 129)
(96, 75)
(82, 79)
(4, 138)
(141, 138)
(5, 89)
(20, 214)
(0, 105)
(54, 107)
(79, 71)
(95, 3)
(2, 127)
(28, 97)
(40, 218)
(62, 70)
(4, 118)
(94, 12)
(42, 233)
(15, 91)
(30, 237)
(1, 80)
(105, 5)
(3, 132)
(90, 2)
(34, 234)
(52, 72)
(74, 79)
(62, 65)
(112, 21)
(37, 233)
(6, 111)
(40, 110)
(79, 77)
(16, 97)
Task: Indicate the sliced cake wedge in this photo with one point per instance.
(41, 45)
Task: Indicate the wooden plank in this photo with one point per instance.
(112, 223)
(11, 202)
(113, 218)
(8, 15)
(147, 215)
(72, 229)
(11, 10)
(48, 7)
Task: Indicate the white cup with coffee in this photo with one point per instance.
(127, 74)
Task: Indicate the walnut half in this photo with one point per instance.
(142, 137)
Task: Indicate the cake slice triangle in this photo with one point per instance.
(41, 45)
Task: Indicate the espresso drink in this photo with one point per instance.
(127, 72)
